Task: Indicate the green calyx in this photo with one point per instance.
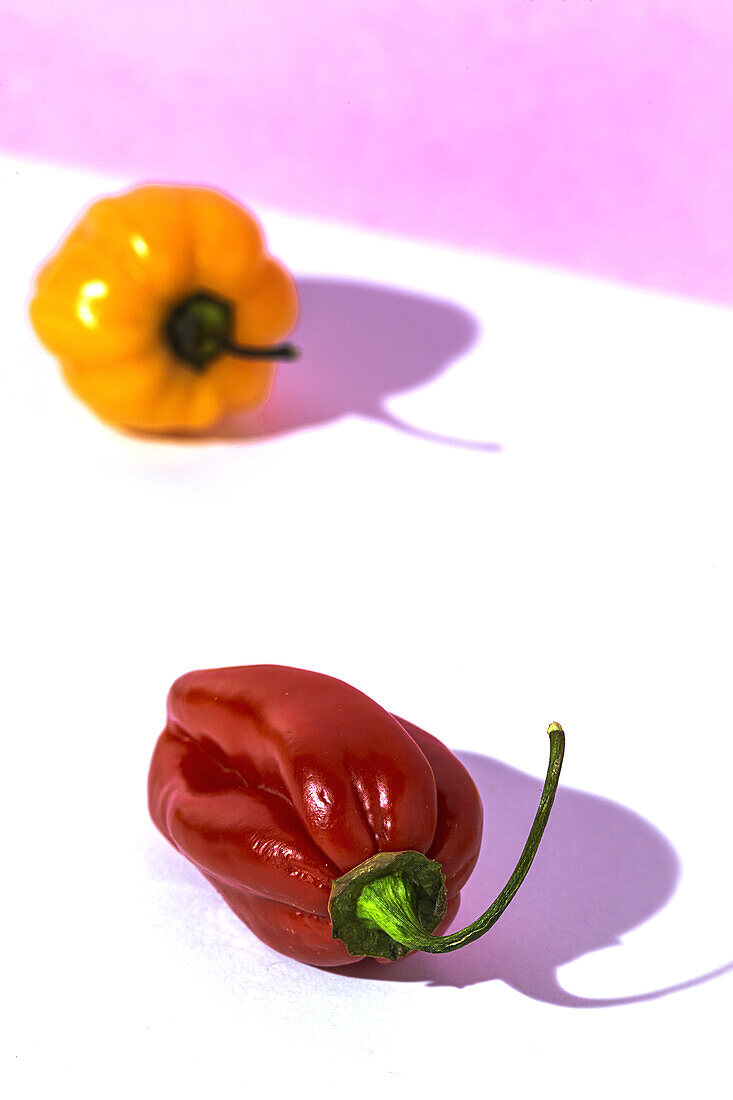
(380, 906)
(199, 329)
(392, 903)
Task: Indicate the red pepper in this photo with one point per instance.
(316, 814)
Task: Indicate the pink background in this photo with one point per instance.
(593, 134)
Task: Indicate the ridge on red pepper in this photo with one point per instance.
(332, 828)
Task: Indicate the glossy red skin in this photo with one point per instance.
(274, 781)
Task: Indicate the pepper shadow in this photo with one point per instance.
(601, 870)
(360, 345)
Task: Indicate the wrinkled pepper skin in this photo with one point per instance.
(102, 300)
(274, 781)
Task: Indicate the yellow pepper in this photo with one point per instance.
(165, 309)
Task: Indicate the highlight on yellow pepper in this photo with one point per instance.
(165, 309)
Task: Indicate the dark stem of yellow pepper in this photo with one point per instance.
(199, 330)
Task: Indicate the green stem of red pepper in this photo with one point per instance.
(390, 904)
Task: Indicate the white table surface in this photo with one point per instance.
(560, 548)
